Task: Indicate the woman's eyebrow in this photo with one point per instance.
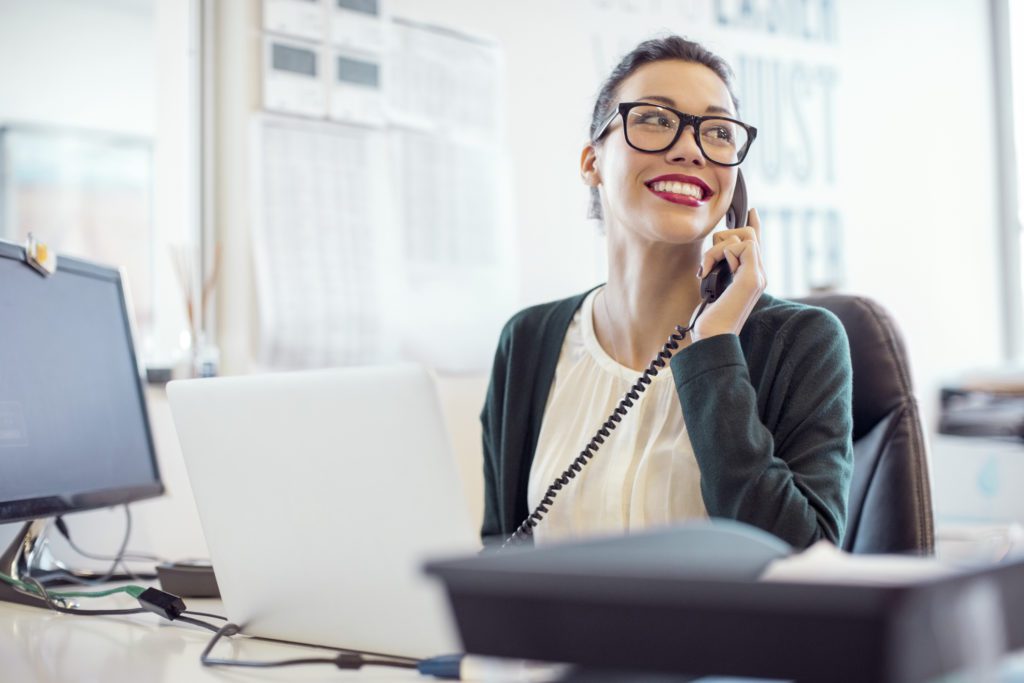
(711, 109)
(658, 98)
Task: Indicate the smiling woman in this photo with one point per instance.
(756, 422)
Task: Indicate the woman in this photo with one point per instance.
(753, 422)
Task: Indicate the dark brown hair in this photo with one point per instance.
(653, 50)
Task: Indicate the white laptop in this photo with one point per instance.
(321, 494)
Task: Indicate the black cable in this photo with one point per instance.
(55, 605)
(198, 622)
(167, 605)
(333, 648)
(97, 612)
(525, 530)
(118, 559)
(345, 659)
(62, 527)
(365, 653)
(205, 614)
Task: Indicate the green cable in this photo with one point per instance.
(134, 591)
(17, 584)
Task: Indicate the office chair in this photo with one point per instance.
(890, 507)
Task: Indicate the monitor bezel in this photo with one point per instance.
(90, 499)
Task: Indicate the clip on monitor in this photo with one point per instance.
(74, 431)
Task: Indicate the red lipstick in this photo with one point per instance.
(688, 200)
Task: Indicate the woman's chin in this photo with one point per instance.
(682, 232)
(685, 226)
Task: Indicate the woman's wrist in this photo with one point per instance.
(697, 334)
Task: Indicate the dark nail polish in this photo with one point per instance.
(700, 271)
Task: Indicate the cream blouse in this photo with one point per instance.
(644, 475)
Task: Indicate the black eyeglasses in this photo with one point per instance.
(654, 128)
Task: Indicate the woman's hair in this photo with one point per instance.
(653, 50)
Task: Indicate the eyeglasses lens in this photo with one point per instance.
(651, 128)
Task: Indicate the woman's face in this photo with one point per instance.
(636, 187)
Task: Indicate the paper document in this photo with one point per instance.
(322, 253)
(824, 563)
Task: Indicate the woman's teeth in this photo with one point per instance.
(678, 188)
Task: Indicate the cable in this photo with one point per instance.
(198, 622)
(171, 607)
(97, 612)
(525, 530)
(333, 648)
(63, 609)
(56, 577)
(62, 527)
(205, 614)
(166, 605)
(345, 659)
(118, 559)
(37, 589)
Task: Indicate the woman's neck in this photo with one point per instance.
(651, 288)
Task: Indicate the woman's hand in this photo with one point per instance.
(740, 247)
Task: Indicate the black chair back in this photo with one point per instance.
(890, 508)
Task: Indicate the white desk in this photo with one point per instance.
(38, 645)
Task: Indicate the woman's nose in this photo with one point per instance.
(686, 148)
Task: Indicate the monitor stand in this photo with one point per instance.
(17, 559)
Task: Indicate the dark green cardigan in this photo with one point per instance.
(768, 412)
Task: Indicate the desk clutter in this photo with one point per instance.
(984, 404)
(188, 579)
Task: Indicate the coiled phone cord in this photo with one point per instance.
(525, 530)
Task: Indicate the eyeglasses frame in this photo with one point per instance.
(685, 121)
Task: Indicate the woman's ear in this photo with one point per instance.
(588, 166)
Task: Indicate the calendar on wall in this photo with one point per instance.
(379, 205)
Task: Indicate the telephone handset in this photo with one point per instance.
(720, 277)
(711, 287)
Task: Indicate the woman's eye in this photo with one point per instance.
(718, 134)
(655, 120)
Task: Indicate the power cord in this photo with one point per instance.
(150, 599)
(343, 660)
(173, 608)
(445, 666)
(205, 614)
(120, 559)
(62, 527)
(34, 588)
(60, 576)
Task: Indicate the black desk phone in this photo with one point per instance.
(711, 287)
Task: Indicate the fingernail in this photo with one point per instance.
(700, 271)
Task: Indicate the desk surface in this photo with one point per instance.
(39, 645)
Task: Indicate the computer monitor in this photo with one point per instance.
(74, 430)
